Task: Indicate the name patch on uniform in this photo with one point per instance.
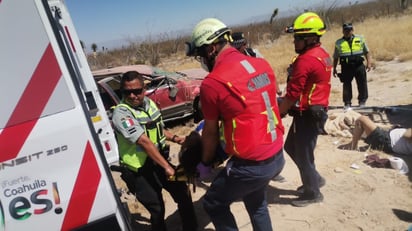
(257, 82)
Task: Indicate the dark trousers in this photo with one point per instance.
(148, 184)
(242, 181)
(300, 145)
(359, 73)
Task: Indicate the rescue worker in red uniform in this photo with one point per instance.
(307, 99)
(240, 91)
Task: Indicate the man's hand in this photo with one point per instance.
(178, 139)
(154, 154)
(174, 138)
(368, 67)
(169, 171)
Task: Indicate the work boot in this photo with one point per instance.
(301, 189)
(306, 199)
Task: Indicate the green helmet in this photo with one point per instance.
(309, 23)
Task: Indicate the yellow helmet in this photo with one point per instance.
(309, 23)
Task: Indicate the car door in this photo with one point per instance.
(109, 89)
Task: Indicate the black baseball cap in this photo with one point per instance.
(347, 26)
(238, 39)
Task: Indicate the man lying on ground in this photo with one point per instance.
(397, 140)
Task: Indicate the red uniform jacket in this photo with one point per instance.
(310, 79)
(253, 83)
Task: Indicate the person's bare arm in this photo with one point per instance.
(154, 154)
(335, 64)
(278, 90)
(174, 138)
(368, 61)
(408, 134)
(210, 140)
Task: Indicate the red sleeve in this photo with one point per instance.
(209, 104)
(217, 101)
(301, 68)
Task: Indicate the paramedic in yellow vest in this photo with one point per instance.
(351, 51)
(142, 147)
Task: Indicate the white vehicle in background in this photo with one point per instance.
(55, 137)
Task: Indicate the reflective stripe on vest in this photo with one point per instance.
(132, 155)
(257, 92)
(355, 48)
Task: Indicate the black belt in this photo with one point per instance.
(239, 161)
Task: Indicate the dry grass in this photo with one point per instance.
(388, 39)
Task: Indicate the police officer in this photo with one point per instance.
(307, 99)
(350, 52)
(142, 146)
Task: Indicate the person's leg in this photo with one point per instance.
(292, 143)
(347, 76)
(239, 181)
(256, 202)
(306, 159)
(362, 84)
(362, 125)
(180, 193)
(148, 192)
(289, 145)
(217, 200)
(256, 206)
(305, 138)
(408, 134)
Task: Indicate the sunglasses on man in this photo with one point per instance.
(299, 37)
(136, 91)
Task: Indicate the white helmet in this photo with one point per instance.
(206, 32)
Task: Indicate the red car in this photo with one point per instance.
(175, 93)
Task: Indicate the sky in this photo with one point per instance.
(107, 22)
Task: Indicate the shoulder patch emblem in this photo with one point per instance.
(128, 122)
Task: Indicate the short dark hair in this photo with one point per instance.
(130, 76)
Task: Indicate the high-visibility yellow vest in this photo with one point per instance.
(132, 155)
(351, 52)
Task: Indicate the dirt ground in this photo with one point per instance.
(362, 198)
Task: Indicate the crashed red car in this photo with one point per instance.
(175, 93)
